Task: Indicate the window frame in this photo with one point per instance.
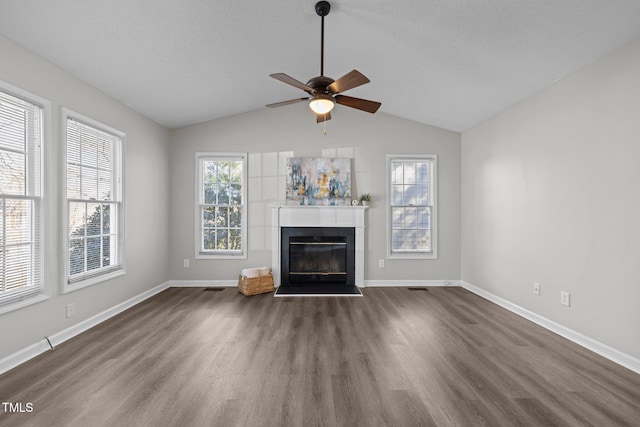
(42, 291)
(200, 253)
(103, 274)
(433, 193)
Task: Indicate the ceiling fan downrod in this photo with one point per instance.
(322, 9)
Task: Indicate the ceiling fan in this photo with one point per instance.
(324, 92)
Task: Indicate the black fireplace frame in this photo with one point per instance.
(343, 232)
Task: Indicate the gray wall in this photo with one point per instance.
(269, 136)
(550, 194)
(147, 180)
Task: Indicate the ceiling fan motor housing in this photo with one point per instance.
(320, 84)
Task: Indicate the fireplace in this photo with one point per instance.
(316, 247)
(317, 256)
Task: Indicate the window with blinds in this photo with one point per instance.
(21, 199)
(221, 205)
(412, 200)
(94, 242)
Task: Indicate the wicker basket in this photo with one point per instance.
(255, 285)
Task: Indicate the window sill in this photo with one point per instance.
(23, 303)
(70, 287)
(221, 256)
(429, 255)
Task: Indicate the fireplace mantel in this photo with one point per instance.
(318, 216)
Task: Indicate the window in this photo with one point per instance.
(412, 206)
(22, 205)
(221, 214)
(94, 210)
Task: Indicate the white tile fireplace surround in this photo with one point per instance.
(318, 216)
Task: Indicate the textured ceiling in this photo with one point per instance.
(447, 63)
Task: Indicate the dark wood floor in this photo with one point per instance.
(396, 357)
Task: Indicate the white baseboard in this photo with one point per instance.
(21, 356)
(409, 283)
(203, 283)
(603, 350)
(367, 283)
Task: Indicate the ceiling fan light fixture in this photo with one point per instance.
(321, 104)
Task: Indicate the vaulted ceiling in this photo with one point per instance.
(447, 63)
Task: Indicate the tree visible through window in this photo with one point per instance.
(222, 204)
(98, 245)
(94, 200)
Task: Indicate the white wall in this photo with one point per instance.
(147, 182)
(270, 136)
(550, 194)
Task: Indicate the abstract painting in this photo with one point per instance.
(319, 181)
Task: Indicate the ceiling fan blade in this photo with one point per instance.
(291, 81)
(350, 80)
(323, 117)
(360, 104)
(283, 103)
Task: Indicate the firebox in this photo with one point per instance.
(317, 256)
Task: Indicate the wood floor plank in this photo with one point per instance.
(393, 358)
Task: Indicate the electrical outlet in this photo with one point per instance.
(536, 288)
(565, 298)
(381, 263)
(71, 310)
(186, 263)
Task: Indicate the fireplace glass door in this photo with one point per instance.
(318, 259)
(318, 256)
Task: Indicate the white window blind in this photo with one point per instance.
(221, 205)
(21, 245)
(94, 200)
(412, 206)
